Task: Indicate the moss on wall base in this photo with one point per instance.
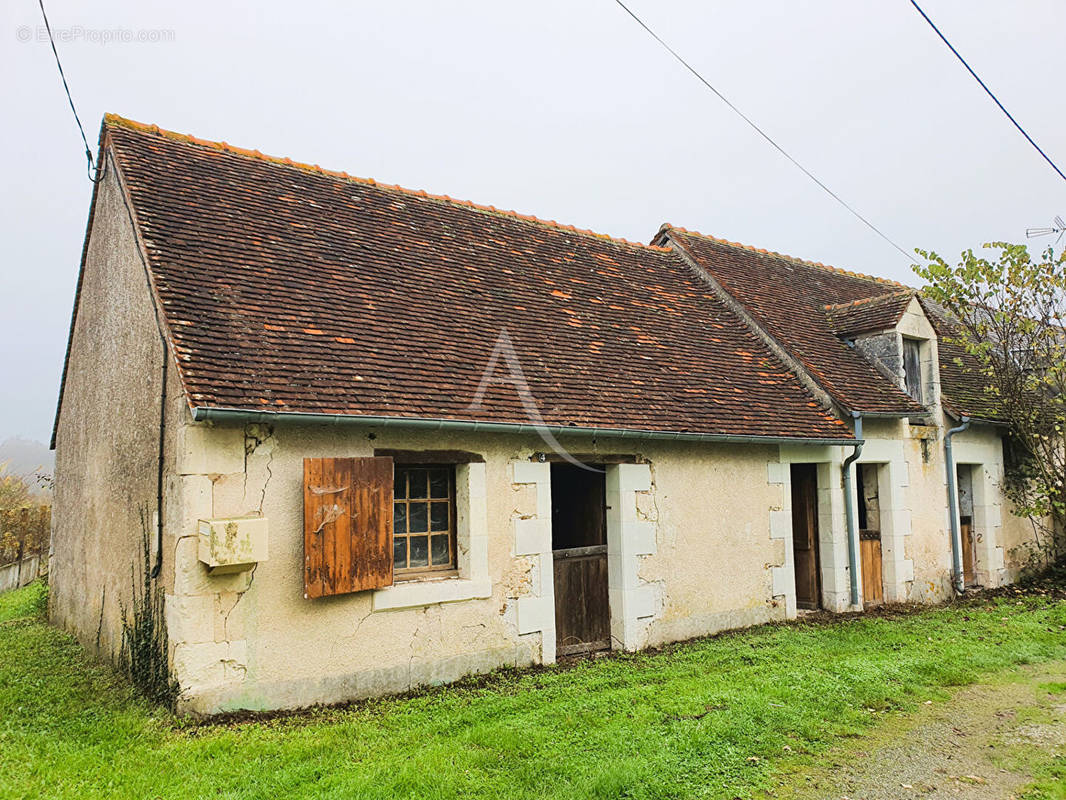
(144, 632)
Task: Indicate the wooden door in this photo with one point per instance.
(805, 534)
(969, 566)
(579, 549)
(873, 587)
(582, 615)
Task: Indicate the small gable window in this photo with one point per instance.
(912, 367)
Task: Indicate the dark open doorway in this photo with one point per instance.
(805, 535)
(579, 548)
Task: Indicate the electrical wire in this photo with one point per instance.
(988, 91)
(763, 133)
(94, 174)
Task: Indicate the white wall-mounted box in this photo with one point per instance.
(232, 545)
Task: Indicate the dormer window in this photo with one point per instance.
(912, 368)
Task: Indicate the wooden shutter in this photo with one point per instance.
(912, 368)
(347, 525)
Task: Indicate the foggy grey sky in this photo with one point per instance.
(564, 110)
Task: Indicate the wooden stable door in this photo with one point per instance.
(870, 553)
(805, 534)
(873, 585)
(579, 548)
(969, 565)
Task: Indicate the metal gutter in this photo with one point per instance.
(957, 578)
(849, 509)
(243, 416)
(995, 423)
(889, 414)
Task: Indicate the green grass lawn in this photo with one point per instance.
(711, 718)
(1051, 782)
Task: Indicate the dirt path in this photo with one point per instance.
(982, 744)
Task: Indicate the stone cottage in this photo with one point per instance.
(363, 438)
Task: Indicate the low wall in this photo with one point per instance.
(19, 574)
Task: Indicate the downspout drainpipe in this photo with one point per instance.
(849, 510)
(953, 508)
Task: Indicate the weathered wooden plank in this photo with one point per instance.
(873, 588)
(969, 567)
(579, 552)
(314, 554)
(431, 456)
(372, 524)
(582, 610)
(338, 541)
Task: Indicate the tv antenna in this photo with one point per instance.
(1057, 226)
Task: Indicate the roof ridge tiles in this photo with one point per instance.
(864, 300)
(123, 122)
(785, 256)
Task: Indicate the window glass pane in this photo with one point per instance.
(438, 483)
(399, 552)
(440, 550)
(417, 517)
(416, 480)
(399, 484)
(438, 520)
(399, 517)
(419, 551)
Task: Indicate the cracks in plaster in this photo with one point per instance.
(255, 438)
(100, 623)
(270, 475)
(179, 540)
(414, 637)
(237, 602)
(341, 641)
(226, 616)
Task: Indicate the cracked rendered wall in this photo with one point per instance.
(266, 646)
(713, 553)
(253, 641)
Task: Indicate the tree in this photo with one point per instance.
(1006, 312)
(14, 492)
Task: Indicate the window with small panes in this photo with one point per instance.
(423, 519)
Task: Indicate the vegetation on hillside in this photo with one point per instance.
(25, 519)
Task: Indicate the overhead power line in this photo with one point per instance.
(761, 132)
(94, 174)
(988, 91)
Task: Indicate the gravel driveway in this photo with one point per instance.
(979, 745)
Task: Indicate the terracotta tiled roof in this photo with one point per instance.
(788, 298)
(960, 385)
(286, 287)
(869, 313)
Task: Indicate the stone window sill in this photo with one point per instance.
(412, 594)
